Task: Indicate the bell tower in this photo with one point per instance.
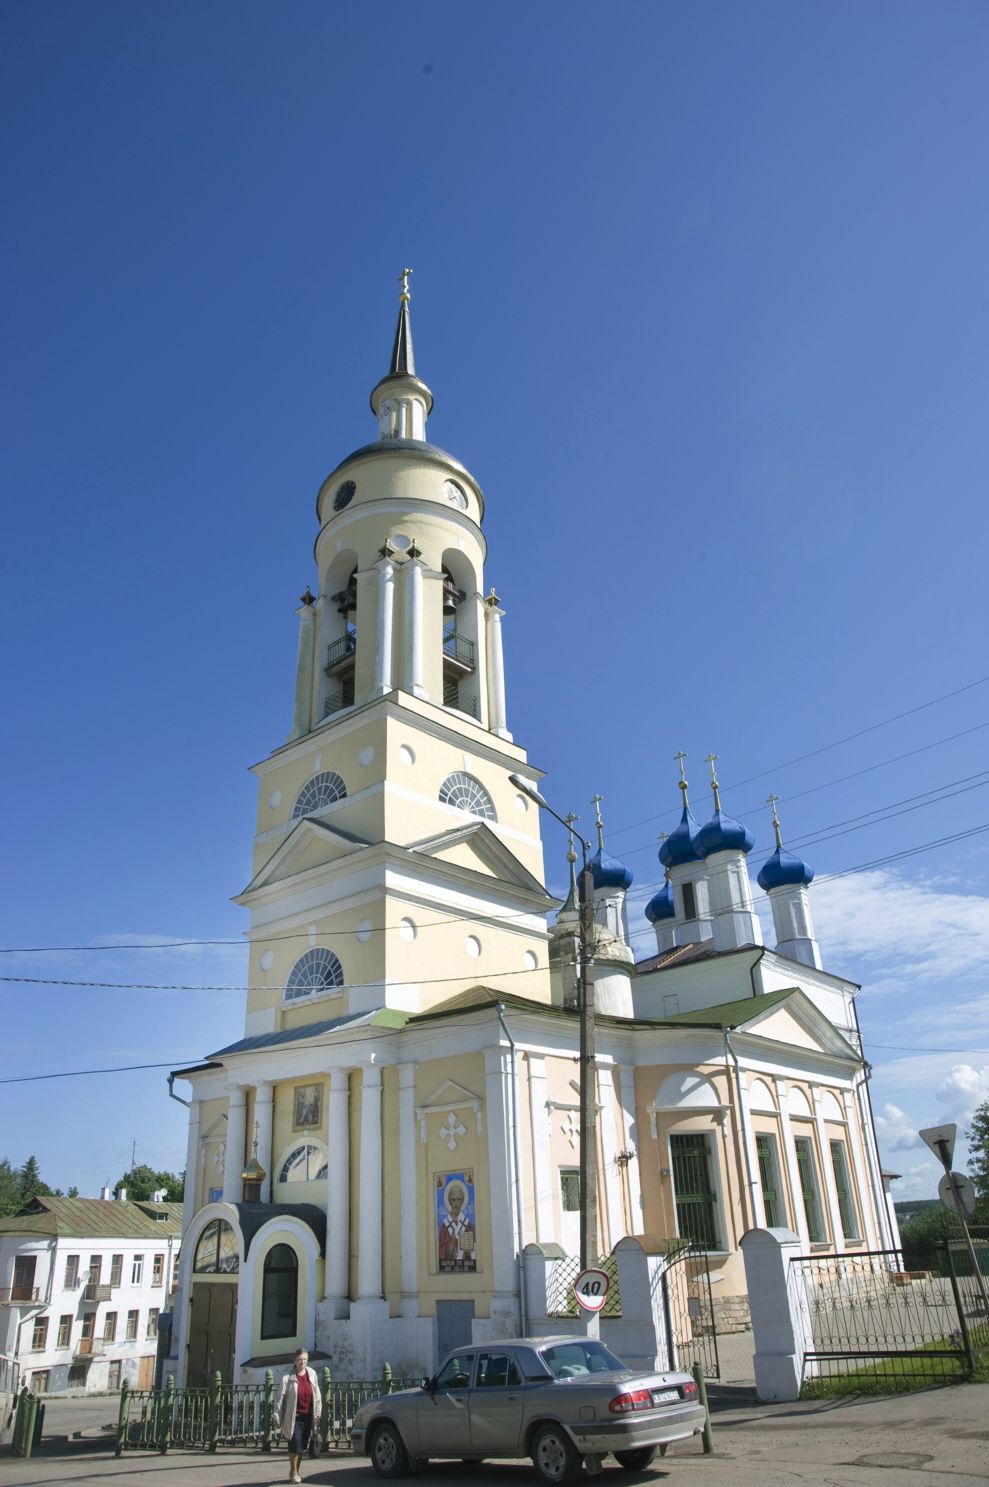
(395, 864)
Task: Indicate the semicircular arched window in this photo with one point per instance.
(317, 970)
(279, 1292)
(323, 789)
(216, 1252)
(304, 1163)
(467, 794)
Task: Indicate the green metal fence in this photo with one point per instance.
(239, 1415)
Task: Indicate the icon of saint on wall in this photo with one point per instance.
(455, 1222)
(307, 1108)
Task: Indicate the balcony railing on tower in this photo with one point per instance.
(459, 650)
(340, 652)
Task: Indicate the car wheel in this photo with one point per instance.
(388, 1454)
(636, 1461)
(554, 1457)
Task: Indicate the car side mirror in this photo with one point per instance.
(426, 1384)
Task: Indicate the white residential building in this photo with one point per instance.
(83, 1284)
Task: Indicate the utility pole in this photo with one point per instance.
(588, 1073)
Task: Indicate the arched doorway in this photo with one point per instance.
(213, 1305)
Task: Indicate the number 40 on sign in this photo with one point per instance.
(591, 1289)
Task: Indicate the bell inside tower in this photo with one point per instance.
(459, 647)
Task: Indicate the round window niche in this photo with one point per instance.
(400, 540)
(366, 757)
(455, 494)
(407, 929)
(274, 800)
(267, 960)
(407, 755)
(473, 946)
(345, 494)
(531, 960)
(364, 930)
(521, 804)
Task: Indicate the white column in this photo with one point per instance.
(630, 1140)
(790, 1158)
(408, 1198)
(369, 1222)
(542, 1170)
(233, 1162)
(413, 629)
(384, 635)
(190, 1201)
(854, 1139)
(337, 1272)
(264, 1097)
(827, 1170)
(497, 1073)
(496, 670)
(613, 1228)
(302, 714)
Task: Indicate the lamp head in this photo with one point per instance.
(528, 789)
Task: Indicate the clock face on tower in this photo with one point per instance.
(455, 495)
(344, 495)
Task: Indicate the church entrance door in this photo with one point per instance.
(212, 1323)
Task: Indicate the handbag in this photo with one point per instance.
(315, 1439)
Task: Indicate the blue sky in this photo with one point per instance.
(700, 291)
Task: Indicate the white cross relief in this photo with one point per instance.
(451, 1130)
(571, 1127)
(220, 1155)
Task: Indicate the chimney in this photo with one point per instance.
(105, 1194)
(121, 1195)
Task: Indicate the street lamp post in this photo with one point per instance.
(585, 1004)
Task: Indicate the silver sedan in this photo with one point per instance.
(560, 1400)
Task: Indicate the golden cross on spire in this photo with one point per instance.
(596, 802)
(403, 279)
(570, 818)
(771, 800)
(678, 759)
(711, 759)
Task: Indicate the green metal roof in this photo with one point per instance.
(96, 1218)
(731, 1014)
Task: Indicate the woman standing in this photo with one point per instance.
(298, 1408)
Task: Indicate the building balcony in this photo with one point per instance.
(341, 652)
(459, 651)
(20, 1296)
(94, 1292)
(86, 1347)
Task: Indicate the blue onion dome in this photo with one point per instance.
(724, 834)
(661, 905)
(784, 871)
(608, 872)
(681, 845)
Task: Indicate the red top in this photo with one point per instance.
(303, 1403)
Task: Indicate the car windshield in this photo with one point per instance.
(566, 1360)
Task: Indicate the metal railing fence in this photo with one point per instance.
(561, 1300)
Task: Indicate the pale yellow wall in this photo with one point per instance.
(208, 1174)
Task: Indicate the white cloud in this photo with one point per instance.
(915, 931)
(964, 1089)
(917, 1182)
(895, 1129)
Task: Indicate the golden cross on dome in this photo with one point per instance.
(404, 281)
(596, 803)
(711, 759)
(771, 800)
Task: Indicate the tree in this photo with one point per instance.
(30, 1184)
(978, 1161)
(142, 1181)
(10, 1191)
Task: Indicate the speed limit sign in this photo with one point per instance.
(591, 1289)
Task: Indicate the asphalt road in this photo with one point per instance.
(916, 1440)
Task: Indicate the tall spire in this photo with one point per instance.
(401, 400)
(403, 361)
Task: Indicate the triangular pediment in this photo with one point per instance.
(796, 1021)
(448, 1095)
(478, 849)
(310, 844)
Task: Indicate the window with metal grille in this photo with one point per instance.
(451, 692)
(315, 971)
(811, 1193)
(467, 794)
(696, 1200)
(306, 1163)
(570, 1189)
(323, 789)
(843, 1184)
(769, 1177)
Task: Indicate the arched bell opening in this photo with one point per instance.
(461, 635)
(338, 635)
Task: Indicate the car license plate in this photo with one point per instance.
(665, 1396)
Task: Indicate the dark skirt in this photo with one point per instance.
(301, 1431)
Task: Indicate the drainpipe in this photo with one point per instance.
(173, 1096)
(743, 1126)
(517, 1161)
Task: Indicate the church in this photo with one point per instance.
(398, 1118)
